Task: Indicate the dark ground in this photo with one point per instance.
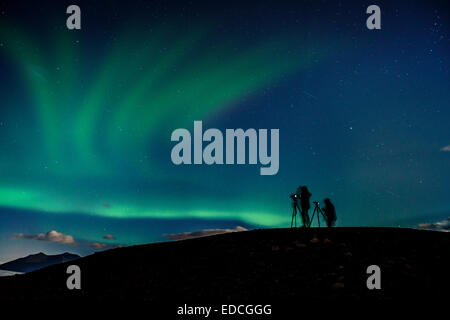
(260, 266)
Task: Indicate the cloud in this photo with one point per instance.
(51, 236)
(446, 148)
(443, 225)
(109, 236)
(58, 237)
(202, 233)
(97, 245)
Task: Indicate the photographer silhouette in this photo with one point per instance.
(329, 212)
(304, 195)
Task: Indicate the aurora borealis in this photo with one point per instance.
(86, 116)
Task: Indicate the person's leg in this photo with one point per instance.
(300, 211)
(305, 217)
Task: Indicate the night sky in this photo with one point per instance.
(86, 116)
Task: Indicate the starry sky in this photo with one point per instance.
(86, 116)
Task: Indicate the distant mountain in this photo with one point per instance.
(37, 261)
(6, 273)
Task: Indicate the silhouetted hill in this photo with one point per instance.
(260, 266)
(37, 261)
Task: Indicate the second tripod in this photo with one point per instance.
(317, 211)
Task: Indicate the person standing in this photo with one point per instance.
(305, 195)
(329, 212)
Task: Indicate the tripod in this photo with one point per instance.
(294, 212)
(317, 211)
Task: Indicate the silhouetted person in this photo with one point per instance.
(330, 212)
(304, 195)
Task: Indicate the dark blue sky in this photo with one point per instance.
(86, 116)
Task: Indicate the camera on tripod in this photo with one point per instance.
(317, 212)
